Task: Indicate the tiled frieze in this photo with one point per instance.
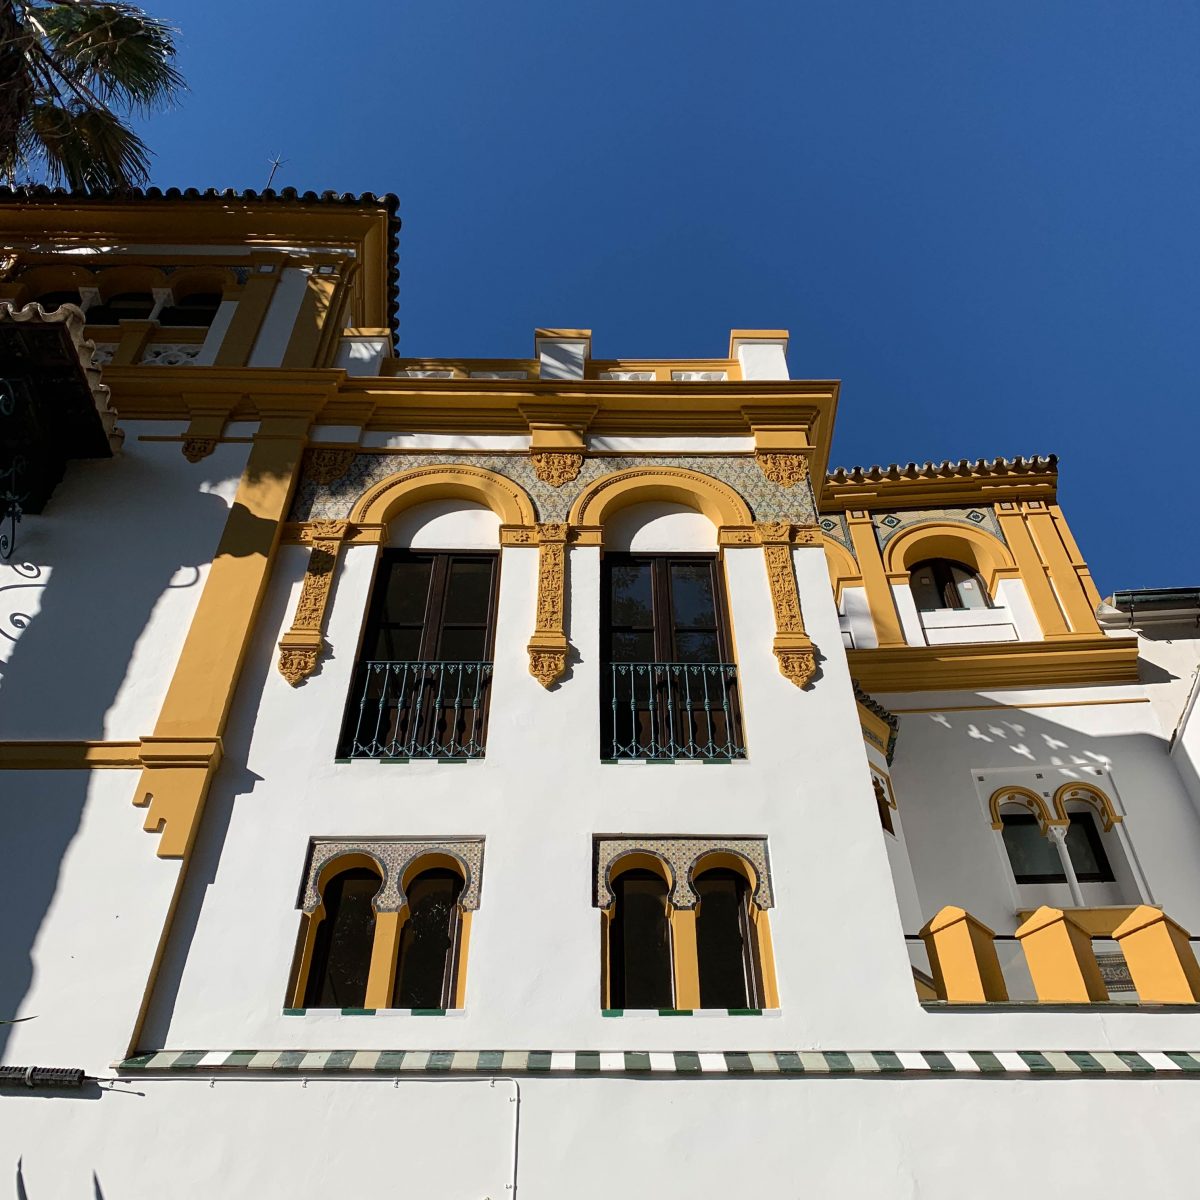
(889, 524)
(322, 498)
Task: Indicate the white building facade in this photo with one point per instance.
(358, 718)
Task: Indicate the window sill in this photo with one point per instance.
(376, 1012)
(689, 1012)
(668, 762)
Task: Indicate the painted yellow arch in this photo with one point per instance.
(1023, 798)
(380, 503)
(598, 502)
(843, 569)
(59, 278)
(942, 539)
(730, 860)
(115, 281)
(192, 280)
(1091, 795)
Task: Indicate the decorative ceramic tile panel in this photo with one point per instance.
(393, 857)
(888, 525)
(768, 501)
(681, 854)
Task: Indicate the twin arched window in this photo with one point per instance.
(649, 967)
(353, 957)
(940, 583)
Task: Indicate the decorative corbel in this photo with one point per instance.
(556, 467)
(786, 469)
(300, 649)
(548, 646)
(792, 646)
(205, 428)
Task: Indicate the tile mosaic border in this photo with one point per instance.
(757, 1063)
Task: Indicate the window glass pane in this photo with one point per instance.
(468, 592)
(697, 647)
(1033, 857)
(1086, 849)
(641, 943)
(424, 969)
(633, 647)
(720, 939)
(926, 594)
(342, 953)
(407, 591)
(52, 300)
(970, 589)
(463, 644)
(632, 597)
(692, 600)
(397, 644)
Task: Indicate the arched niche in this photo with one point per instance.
(660, 527)
(381, 503)
(1023, 800)
(843, 570)
(598, 503)
(448, 524)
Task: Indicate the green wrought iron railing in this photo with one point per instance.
(672, 710)
(417, 709)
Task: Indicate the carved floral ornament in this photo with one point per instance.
(556, 467)
(300, 649)
(785, 469)
(196, 448)
(548, 646)
(792, 646)
(325, 465)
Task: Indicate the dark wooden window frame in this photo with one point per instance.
(750, 956)
(946, 584)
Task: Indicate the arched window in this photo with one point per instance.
(341, 960)
(939, 583)
(197, 308)
(1035, 858)
(427, 965)
(639, 943)
(725, 944)
(124, 306)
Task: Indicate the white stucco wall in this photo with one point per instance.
(117, 563)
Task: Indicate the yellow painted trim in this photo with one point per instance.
(1090, 795)
(113, 281)
(310, 328)
(1068, 539)
(1023, 798)
(970, 490)
(382, 502)
(310, 923)
(132, 340)
(1097, 921)
(685, 961)
(766, 956)
(66, 755)
(1059, 955)
(962, 958)
(986, 666)
(1022, 706)
(381, 977)
(598, 502)
(880, 601)
(662, 368)
(464, 946)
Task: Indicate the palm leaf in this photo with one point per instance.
(119, 53)
(87, 147)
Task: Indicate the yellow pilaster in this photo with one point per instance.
(962, 958)
(879, 591)
(381, 977)
(1081, 612)
(253, 301)
(1033, 570)
(1081, 568)
(686, 958)
(1160, 957)
(1059, 955)
(316, 309)
(134, 336)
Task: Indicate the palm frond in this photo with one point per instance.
(87, 147)
(121, 54)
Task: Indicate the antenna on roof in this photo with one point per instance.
(276, 163)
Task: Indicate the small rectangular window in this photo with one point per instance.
(1034, 857)
(421, 686)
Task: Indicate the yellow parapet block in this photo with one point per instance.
(1160, 958)
(1059, 954)
(962, 958)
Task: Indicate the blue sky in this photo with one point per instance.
(982, 218)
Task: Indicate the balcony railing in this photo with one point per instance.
(426, 709)
(672, 710)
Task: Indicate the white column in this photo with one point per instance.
(216, 334)
(1058, 835)
(910, 619)
(762, 353)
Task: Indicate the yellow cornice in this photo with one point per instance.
(988, 665)
(803, 408)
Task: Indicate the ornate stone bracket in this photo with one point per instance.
(556, 467)
(325, 465)
(785, 469)
(300, 649)
(680, 855)
(393, 858)
(194, 449)
(792, 646)
(548, 646)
